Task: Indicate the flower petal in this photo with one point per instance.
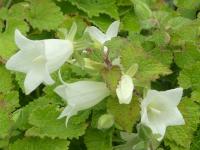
(21, 62)
(24, 44)
(61, 91)
(173, 96)
(83, 94)
(36, 76)
(69, 111)
(159, 110)
(158, 129)
(113, 30)
(125, 89)
(172, 117)
(96, 34)
(57, 52)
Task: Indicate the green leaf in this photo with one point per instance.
(5, 80)
(102, 21)
(5, 123)
(98, 140)
(189, 76)
(44, 19)
(149, 68)
(39, 144)
(112, 77)
(196, 141)
(130, 22)
(68, 21)
(22, 115)
(189, 4)
(186, 33)
(95, 7)
(187, 56)
(9, 101)
(177, 22)
(182, 135)
(165, 56)
(14, 19)
(46, 124)
(131, 111)
(196, 96)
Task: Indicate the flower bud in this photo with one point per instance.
(105, 121)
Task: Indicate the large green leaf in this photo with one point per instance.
(119, 111)
(98, 140)
(95, 7)
(45, 123)
(39, 144)
(44, 19)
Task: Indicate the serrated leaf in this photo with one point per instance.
(196, 141)
(46, 124)
(112, 77)
(131, 111)
(165, 56)
(182, 135)
(23, 114)
(187, 56)
(14, 19)
(98, 140)
(9, 101)
(95, 7)
(44, 19)
(189, 76)
(149, 68)
(39, 144)
(185, 33)
(68, 21)
(188, 4)
(102, 22)
(196, 96)
(5, 123)
(5, 80)
(130, 22)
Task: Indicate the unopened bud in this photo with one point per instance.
(105, 121)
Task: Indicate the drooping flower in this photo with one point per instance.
(99, 36)
(159, 110)
(38, 59)
(125, 89)
(81, 95)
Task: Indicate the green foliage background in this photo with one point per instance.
(162, 37)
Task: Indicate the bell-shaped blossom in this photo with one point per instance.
(38, 59)
(81, 95)
(125, 89)
(159, 110)
(101, 37)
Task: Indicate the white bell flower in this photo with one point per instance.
(125, 89)
(38, 59)
(101, 37)
(81, 95)
(159, 110)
